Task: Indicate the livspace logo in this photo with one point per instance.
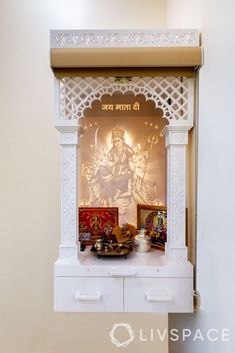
(122, 335)
(114, 335)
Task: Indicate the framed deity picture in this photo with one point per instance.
(94, 222)
(154, 220)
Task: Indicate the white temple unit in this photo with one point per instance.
(144, 282)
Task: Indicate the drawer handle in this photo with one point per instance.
(92, 297)
(159, 298)
(121, 273)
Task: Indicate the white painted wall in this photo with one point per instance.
(216, 196)
(29, 178)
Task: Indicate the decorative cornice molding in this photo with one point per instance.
(124, 38)
(68, 126)
(178, 128)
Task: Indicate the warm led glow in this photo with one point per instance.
(128, 139)
(109, 141)
(126, 172)
(159, 203)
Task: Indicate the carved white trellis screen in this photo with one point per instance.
(171, 94)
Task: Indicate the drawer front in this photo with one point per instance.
(88, 294)
(158, 295)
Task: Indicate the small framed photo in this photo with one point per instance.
(95, 222)
(154, 220)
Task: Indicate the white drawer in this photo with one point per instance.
(88, 294)
(158, 295)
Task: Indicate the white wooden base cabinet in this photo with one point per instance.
(144, 282)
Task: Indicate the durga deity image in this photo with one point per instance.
(116, 178)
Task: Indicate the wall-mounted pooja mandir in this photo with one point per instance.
(139, 87)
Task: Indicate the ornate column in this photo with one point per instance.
(68, 140)
(176, 140)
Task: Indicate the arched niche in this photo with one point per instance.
(141, 179)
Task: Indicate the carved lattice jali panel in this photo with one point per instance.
(169, 93)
